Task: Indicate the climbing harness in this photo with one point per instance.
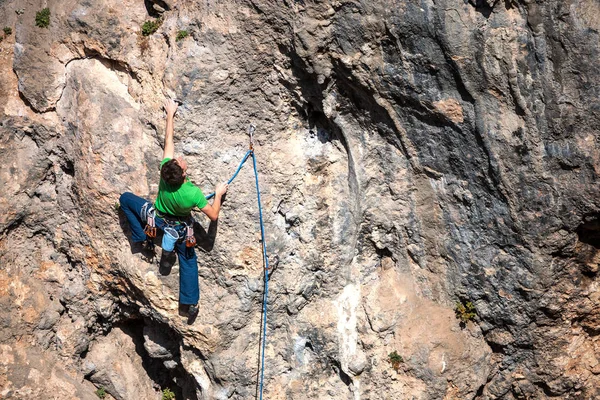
(263, 340)
(175, 227)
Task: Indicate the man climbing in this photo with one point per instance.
(171, 213)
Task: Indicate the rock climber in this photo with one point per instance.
(171, 213)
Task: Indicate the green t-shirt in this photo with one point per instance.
(178, 201)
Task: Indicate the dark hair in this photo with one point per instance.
(172, 173)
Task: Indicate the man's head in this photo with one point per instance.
(173, 172)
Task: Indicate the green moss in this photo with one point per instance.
(181, 35)
(7, 30)
(150, 27)
(42, 18)
(101, 393)
(465, 312)
(167, 394)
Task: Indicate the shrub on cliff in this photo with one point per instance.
(150, 27)
(181, 35)
(465, 312)
(101, 393)
(167, 394)
(395, 359)
(42, 18)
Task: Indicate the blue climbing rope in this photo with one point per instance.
(250, 153)
(266, 293)
(210, 196)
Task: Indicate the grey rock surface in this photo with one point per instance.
(412, 155)
(114, 364)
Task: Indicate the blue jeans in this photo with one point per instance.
(189, 290)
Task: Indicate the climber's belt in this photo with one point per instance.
(174, 227)
(174, 219)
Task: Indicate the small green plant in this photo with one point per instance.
(42, 18)
(7, 30)
(465, 312)
(167, 394)
(395, 359)
(20, 11)
(149, 27)
(181, 35)
(101, 393)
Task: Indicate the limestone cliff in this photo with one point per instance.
(412, 155)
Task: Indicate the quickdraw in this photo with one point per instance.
(150, 229)
(190, 239)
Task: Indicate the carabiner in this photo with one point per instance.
(251, 130)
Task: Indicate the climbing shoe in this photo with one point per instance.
(192, 313)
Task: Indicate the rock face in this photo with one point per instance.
(112, 363)
(412, 155)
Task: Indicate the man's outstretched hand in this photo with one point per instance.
(221, 188)
(212, 211)
(170, 107)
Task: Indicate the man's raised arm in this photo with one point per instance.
(171, 109)
(212, 211)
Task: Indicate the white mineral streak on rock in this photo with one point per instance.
(196, 369)
(443, 363)
(347, 304)
(299, 351)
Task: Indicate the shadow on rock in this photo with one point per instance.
(205, 239)
(147, 249)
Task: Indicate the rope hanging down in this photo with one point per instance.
(250, 153)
